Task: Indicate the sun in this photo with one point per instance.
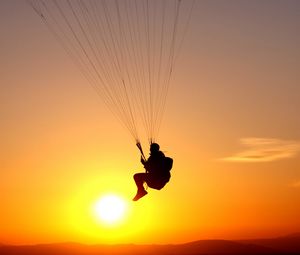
(110, 209)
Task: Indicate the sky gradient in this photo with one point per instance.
(231, 124)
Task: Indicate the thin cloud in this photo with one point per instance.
(295, 184)
(265, 150)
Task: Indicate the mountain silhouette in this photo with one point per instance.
(282, 245)
(289, 243)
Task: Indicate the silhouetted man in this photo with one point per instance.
(157, 173)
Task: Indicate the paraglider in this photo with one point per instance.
(157, 173)
(126, 49)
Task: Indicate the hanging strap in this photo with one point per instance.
(141, 150)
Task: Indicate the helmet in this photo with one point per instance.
(154, 147)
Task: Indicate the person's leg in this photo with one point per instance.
(139, 179)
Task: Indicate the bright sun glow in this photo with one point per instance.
(110, 209)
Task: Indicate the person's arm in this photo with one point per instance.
(146, 163)
(143, 161)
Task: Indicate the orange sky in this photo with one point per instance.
(231, 124)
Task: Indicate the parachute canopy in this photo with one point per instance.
(126, 49)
